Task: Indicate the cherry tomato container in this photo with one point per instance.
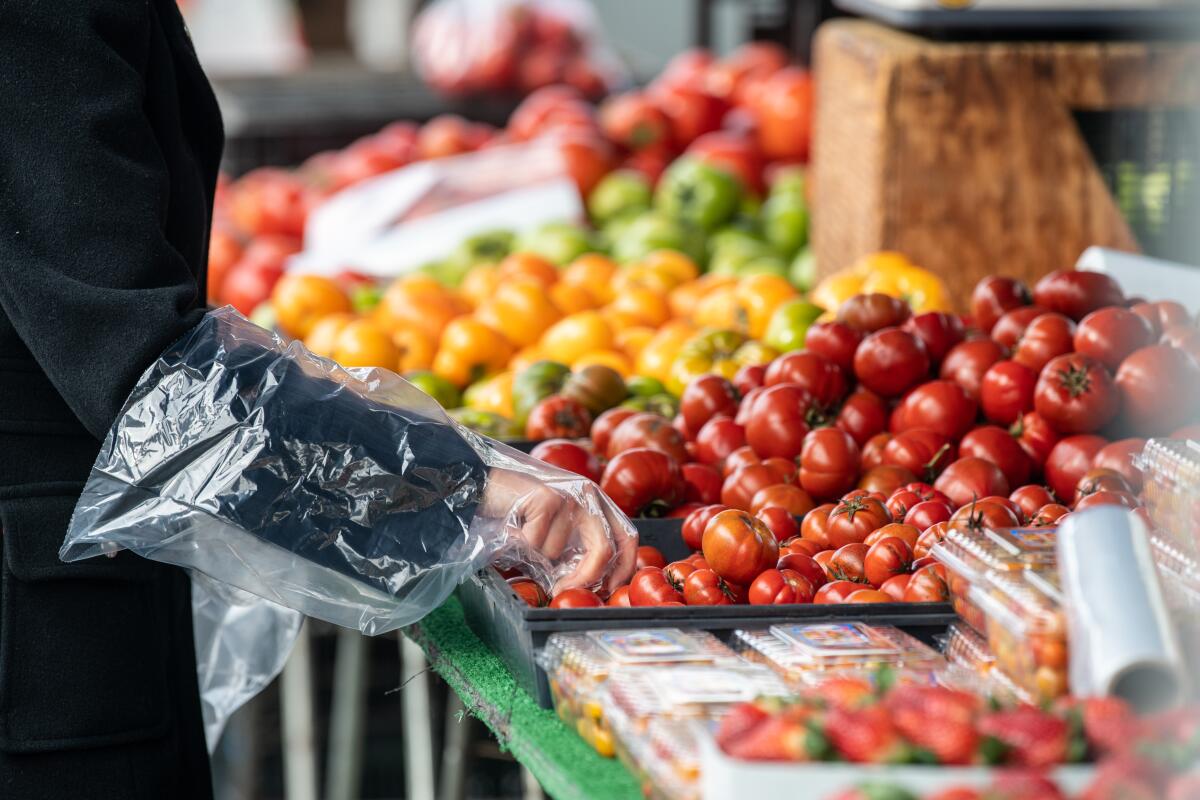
(1180, 581)
(1171, 489)
(966, 648)
(666, 759)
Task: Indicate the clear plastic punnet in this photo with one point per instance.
(345, 494)
(1171, 489)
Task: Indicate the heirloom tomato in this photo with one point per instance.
(1006, 391)
(570, 456)
(995, 444)
(890, 361)
(650, 587)
(1077, 293)
(1069, 460)
(968, 361)
(834, 340)
(558, 417)
(696, 521)
(738, 547)
(703, 587)
(1075, 394)
(853, 520)
(940, 406)
(1048, 336)
(1159, 386)
(643, 482)
(995, 295)
(971, 478)
(576, 598)
(1110, 334)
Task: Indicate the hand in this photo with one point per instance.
(548, 519)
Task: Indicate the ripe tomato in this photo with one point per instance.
(778, 587)
(849, 563)
(631, 120)
(1110, 334)
(863, 415)
(1077, 293)
(900, 501)
(1159, 386)
(938, 331)
(1076, 394)
(983, 515)
(868, 596)
(530, 591)
(741, 485)
(798, 544)
(993, 296)
(890, 361)
(648, 431)
(742, 457)
(894, 587)
(738, 547)
(886, 558)
(967, 362)
(872, 312)
(789, 497)
(605, 424)
(927, 492)
(929, 537)
(682, 511)
(941, 406)
(779, 421)
(1006, 391)
(650, 587)
(1048, 336)
(1009, 329)
(1119, 456)
(677, 573)
(1107, 497)
(779, 522)
(1030, 498)
(925, 453)
(705, 398)
(1099, 479)
(1048, 515)
(650, 556)
(569, 456)
(909, 534)
(619, 598)
(1070, 459)
(695, 522)
(873, 450)
(1161, 315)
(706, 588)
(829, 463)
(702, 483)
(1036, 436)
(691, 110)
(969, 479)
(750, 376)
(805, 565)
(815, 526)
(812, 372)
(852, 520)
(558, 417)
(643, 482)
(836, 591)
(928, 585)
(834, 340)
(928, 513)
(576, 598)
(886, 479)
(995, 444)
(717, 438)
(787, 470)
(783, 107)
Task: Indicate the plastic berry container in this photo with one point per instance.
(1026, 630)
(1171, 489)
(967, 649)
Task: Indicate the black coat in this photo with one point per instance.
(110, 140)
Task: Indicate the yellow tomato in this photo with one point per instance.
(480, 283)
(718, 309)
(525, 357)
(657, 355)
(573, 337)
(621, 320)
(757, 298)
(362, 343)
(708, 351)
(637, 276)
(416, 350)
(470, 350)
(685, 298)
(301, 301)
(882, 261)
(836, 289)
(674, 263)
(923, 290)
(521, 310)
(495, 395)
(754, 352)
(322, 339)
(593, 272)
(528, 265)
(643, 303)
(420, 302)
(608, 358)
(569, 298)
(631, 341)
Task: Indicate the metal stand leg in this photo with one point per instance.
(453, 782)
(532, 790)
(299, 741)
(347, 717)
(418, 734)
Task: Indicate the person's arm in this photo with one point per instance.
(87, 276)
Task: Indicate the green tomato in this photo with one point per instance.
(619, 193)
(734, 254)
(656, 231)
(534, 384)
(789, 325)
(487, 423)
(785, 224)
(790, 182)
(698, 193)
(365, 296)
(263, 315)
(489, 246)
(665, 405)
(764, 265)
(732, 236)
(437, 387)
(557, 242)
(449, 272)
(644, 386)
(803, 271)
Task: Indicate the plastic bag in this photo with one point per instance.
(463, 47)
(346, 495)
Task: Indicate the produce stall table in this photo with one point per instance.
(563, 763)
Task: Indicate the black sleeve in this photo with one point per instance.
(87, 276)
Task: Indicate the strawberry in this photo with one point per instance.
(845, 691)
(864, 735)
(1015, 784)
(1184, 787)
(774, 739)
(738, 723)
(1119, 779)
(936, 719)
(1107, 724)
(1031, 737)
(957, 793)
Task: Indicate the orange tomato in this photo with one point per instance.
(575, 336)
(521, 310)
(719, 309)
(673, 263)
(416, 350)
(494, 395)
(469, 351)
(479, 284)
(300, 301)
(420, 302)
(528, 265)
(322, 339)
(593, 272)
(362, 343)
(631, 341)
(659, 353)
(757, 298)
(608, 358)
(687, 296)
(644, 304)
(525, 357)
(637, 276)
(570, 298)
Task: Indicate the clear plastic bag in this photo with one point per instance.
(345, 495)
(463, 47)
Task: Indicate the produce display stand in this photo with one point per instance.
(565, 766)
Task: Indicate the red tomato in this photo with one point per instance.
(1036, 436)
(868, 596)
(983, 515)
(695, 522)
(1119, 456)
(703, 483)
(1077, 293)
(828, 463)
(1070, 459)
(705, 588)
(1110, 334)
(834, 340)
(791, 498)
(631, 120)
(927, 492)
(530, 591)
(993, 296)
(1106, 497)
(779, 421)
(1161, 315)
(925, 453)
(967, 362)
(1048, 515)
(900, 501)
(706, 397)
(1009, 329)
(784, 468)
(1030, 498)
(779, 522)
(777, 587)
(812, 372)
(649, 556)
(682, 511)
(734, 153)
(558, 417)
(927, 513)
(677, 573)
(690, 109)
(886, 479)
(969, 479)
(646, 430)
(718, 437)
(569, 456)
(742, 457)
(909, 534)
(798, 544)
(1159, 386)
(852, 521)
(576, 598)
(806, 565)
(849, 563)
(619, 598)
(783, 106)
(248, 285)
(815, 526)
(741, 485)
(605, 424)
(895, 586)
(941, 406)
(650, 587)
(995, 444)
(886, 558)
(836, 591)
(751, 376)
(938, 331)
(1007, 391)
(929, 537)
(643, 482)
(863, 415)
(1048, 336)
(587, 156)
(1098, 480)
(873, 450)
(738, 547)
(890, 361)
(1076, 394)
(872, 312)
(928, 585)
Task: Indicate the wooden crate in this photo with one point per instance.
(966, 156)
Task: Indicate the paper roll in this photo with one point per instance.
(1121, 639)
